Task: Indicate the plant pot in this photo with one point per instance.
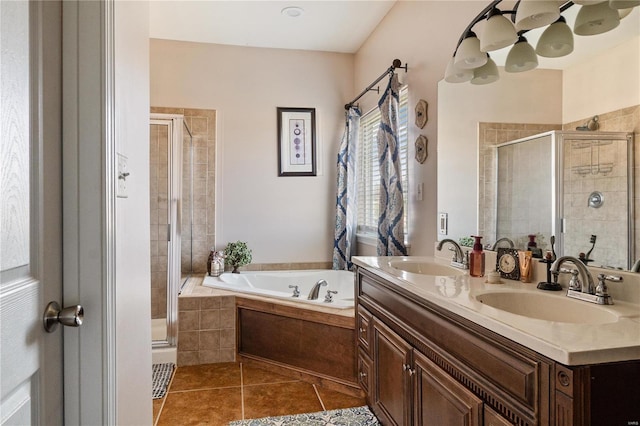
(235, 270)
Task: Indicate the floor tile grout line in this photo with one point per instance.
(319, 399)
(274, 383)
(242, 390)
(205, 389)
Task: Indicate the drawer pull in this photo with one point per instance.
(363, 330)
(363, 374)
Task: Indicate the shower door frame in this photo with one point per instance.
(175, 124)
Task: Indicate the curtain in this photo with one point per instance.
(346, 200)
(391, 220)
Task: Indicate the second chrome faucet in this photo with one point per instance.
(459, 259)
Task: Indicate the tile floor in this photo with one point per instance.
(215, 394)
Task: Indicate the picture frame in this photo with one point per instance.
(296, 141)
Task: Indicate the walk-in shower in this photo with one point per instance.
(171, 159)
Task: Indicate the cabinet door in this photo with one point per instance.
(440, 400)
(391, 393)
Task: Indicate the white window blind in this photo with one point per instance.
(368, 170)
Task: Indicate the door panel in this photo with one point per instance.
(440, 400)
(391, 393)
(30, 224)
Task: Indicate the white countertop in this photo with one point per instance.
(564, 342)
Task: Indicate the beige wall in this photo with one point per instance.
(283, 219)
(606, 83)
(417, 33)
(133, 293)
(531, 97)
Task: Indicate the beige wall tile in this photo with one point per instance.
(228, 338)
(188, 358)
(227, 318)
(210, 319)
(188, 320)
(188, 341)
(211, 303)
(209, 340)
(210, 357)
(189, 303)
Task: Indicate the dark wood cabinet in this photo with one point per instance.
(420, 364)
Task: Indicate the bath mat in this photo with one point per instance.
(358, 416)
(161, 378)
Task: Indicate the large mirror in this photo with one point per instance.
(473, 120)
(576, 186)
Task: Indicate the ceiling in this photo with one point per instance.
(332, 25)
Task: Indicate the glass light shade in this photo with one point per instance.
(521, 57)
(623, 13)
(596, 19)
(498, 32)
(623, 4)
(469, 55)
(454, 74)
(556, 40)
(535, 14)
(488, 73)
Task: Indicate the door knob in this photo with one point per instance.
(71, 316)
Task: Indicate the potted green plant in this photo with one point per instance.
(237, 254)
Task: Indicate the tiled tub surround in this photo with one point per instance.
(207, 334)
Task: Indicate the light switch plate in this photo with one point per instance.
(123, 173)
(443, 223)
(420, 191)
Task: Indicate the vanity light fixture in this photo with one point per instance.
(556, 40)
(292, 11)
(596, 19)
(454, 74)
(498, 32)
(623, 4)
(488, 73)
(536, 13)
(521, 57)
(469, 55)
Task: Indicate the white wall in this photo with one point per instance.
(133, 290)
(283, 219)
(422, 35)
(531, 97)
(605, 83)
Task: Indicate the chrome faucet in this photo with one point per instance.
(503, 239)
(459, 259)
(585, 277)
(313, 294)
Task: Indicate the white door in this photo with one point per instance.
(54, 220)
(30, 212)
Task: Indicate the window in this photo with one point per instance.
(368, 170)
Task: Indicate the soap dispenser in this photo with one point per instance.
(476, 259)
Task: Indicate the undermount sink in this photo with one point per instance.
(547, 307)
(425, 268)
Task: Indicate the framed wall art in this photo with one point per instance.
(296, 141)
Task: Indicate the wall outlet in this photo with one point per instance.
(443, 223)
(122, 174)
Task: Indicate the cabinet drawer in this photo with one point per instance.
(364, 373)
(363, 329)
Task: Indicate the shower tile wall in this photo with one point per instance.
(158, 169)
(596, 166)
(490, 135)
(622, 120)
(202, 123)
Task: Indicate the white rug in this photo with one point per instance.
(358, 416)
(161, 378)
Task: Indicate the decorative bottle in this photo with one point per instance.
(476, 259)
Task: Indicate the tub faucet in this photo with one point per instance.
(503, 239)
(459, 260)
(313, 294)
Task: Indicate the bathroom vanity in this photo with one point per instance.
(430, 352)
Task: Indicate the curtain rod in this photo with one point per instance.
(397, 63)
